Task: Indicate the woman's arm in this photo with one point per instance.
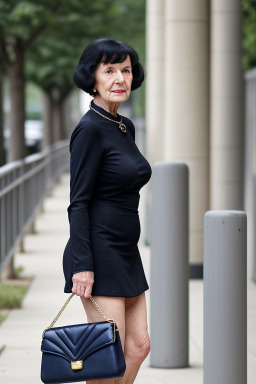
(86, 154)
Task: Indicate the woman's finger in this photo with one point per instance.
(88, 291)
(78, 290)
(82, 290)
(74, 288)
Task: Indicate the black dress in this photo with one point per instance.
(107, 171)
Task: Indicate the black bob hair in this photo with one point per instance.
(105, 50)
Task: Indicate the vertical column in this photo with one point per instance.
(226, 164)
(169, 324)
(154, 81)
(250, 169)
(186, 106)
(154, 93)
(225, 298)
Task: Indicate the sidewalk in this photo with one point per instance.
(21, 331)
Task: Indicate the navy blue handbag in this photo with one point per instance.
(81, 352)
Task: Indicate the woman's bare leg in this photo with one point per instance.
(131, 318)
(113, 308)
(137, 343)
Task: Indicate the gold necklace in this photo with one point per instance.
(122, 126)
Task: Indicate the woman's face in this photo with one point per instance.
(113, 81)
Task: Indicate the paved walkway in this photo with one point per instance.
(21, 331)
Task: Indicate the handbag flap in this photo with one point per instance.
(76, 342)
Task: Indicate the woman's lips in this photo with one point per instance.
(119, 91)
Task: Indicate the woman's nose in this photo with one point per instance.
(119, 77)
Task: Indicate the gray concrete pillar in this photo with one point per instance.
(250, 170)
(169, 266)
(186, 105)
(227, 116)
(155, 80)
(225, 298)
(154, 93)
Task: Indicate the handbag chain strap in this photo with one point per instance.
(65, 305)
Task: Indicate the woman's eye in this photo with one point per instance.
(127, 71)
(108, 71)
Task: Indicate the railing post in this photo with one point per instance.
(169, 266)
(23, 185)
(225, 298)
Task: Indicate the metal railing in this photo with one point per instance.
(23, 187)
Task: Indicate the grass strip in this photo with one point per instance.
(18, 270)
(11, 296)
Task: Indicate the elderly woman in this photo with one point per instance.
(107, 171)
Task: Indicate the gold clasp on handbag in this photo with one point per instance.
(115, 328)
(75, 365)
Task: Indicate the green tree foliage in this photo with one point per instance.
(54, 55)
(53, 34)
(249, 34)
(20, 23)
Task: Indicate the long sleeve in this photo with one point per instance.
(86, 154)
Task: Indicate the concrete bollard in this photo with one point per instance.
(225, 298)
(169, 266)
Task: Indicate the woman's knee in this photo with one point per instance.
(136, 350)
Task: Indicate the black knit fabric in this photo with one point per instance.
(107, 171)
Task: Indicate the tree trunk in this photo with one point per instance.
(57, 119)
(66, 125)
(17, 148)
(47, 119)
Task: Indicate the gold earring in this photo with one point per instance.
(94, 90)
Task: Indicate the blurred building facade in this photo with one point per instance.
(195, 104)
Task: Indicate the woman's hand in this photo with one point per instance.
(82, 283)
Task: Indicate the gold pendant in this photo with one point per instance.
(122, 127)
